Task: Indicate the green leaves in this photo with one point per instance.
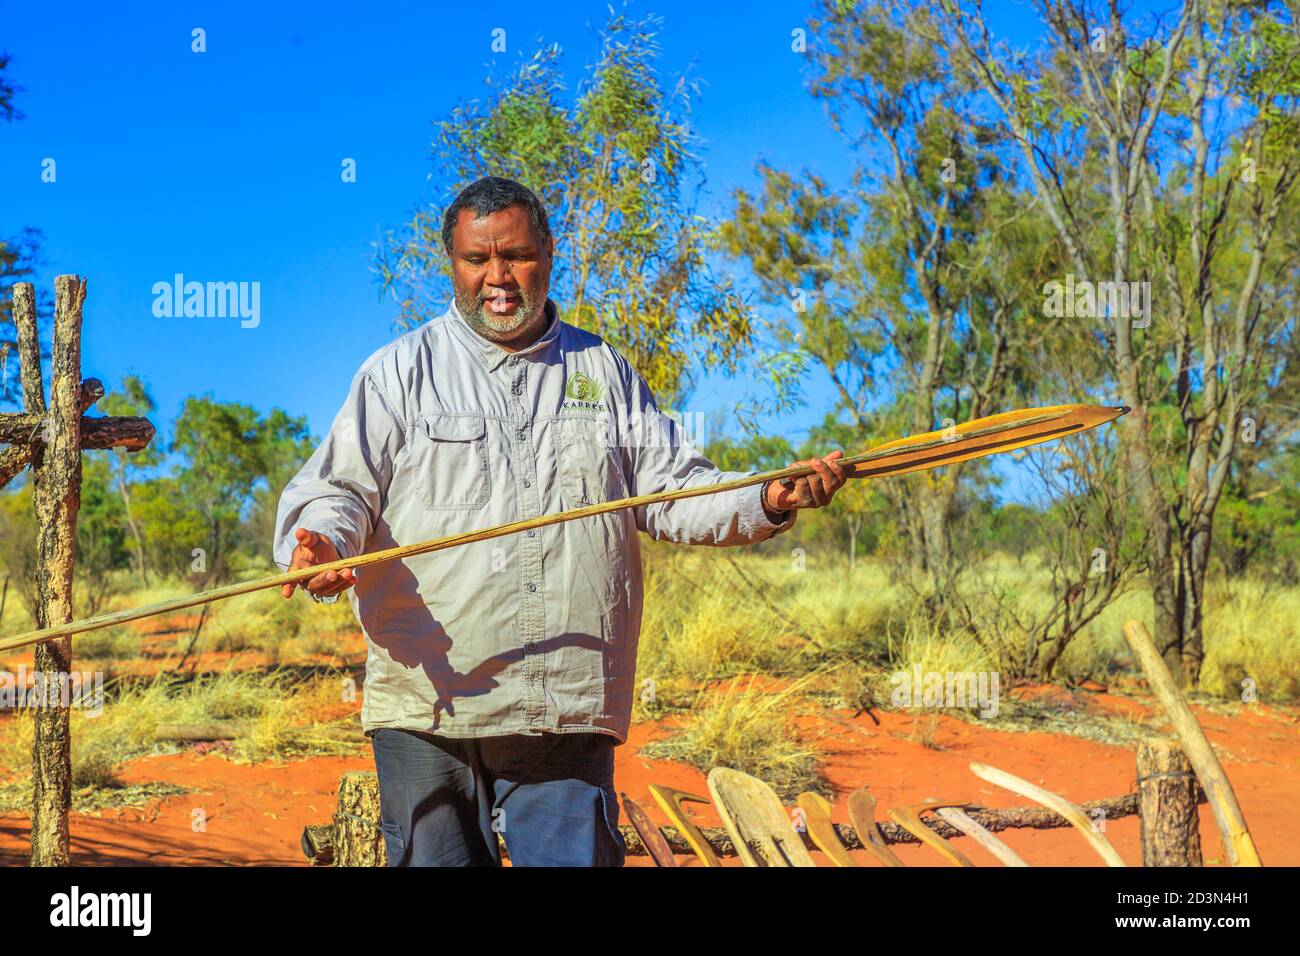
(230, 451)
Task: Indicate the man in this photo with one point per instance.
(499, 675)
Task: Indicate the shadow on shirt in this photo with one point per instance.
(429, 645)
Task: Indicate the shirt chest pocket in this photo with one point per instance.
(449, 461)
(589, 471)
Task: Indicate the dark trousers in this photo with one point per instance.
(443, 801)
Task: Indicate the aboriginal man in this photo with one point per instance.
(500, 674)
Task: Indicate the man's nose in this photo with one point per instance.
(498, 273)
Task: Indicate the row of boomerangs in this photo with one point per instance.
(765, 834)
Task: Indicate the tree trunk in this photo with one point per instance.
(1164, 574)
(56, 498)
(902, 501)
(934, 501)
(1195, 565)
(854, 524)
(124, 487)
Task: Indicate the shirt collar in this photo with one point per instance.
(489, 353)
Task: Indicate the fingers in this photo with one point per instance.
(331, 583)
(817, 490)
(312, 549)
(822, 483)
(301, 558)
(840, 471)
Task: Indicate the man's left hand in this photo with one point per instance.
(811, 491)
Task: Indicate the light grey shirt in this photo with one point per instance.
(444, 432)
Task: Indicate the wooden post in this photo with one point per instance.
(1167, 805)
(56, 497)
(29, 348)
(1237, 842)
(358, 841)
(51, 440)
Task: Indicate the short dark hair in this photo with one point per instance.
(492, 194)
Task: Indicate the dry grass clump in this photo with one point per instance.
(751, 729)
(282, 717)
(1252, 634)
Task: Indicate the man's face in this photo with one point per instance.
(501, 271)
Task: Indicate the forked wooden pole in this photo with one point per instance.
(975, 439)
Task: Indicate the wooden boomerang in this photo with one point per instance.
(1053, 801)
(862, 811)
(670, 801)
(975, 439)
(909, 818)
(821, 829)
(954, 816)
(651, 838)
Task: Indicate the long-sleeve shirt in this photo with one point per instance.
(444, 432)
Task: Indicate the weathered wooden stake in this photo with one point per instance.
(358, 841)
(51, 440)
(56, 497)
(1167, 805)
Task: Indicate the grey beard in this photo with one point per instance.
(497, 327)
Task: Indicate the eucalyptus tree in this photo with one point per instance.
(1163, 152)
(906, 288)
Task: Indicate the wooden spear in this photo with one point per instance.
(975, 439)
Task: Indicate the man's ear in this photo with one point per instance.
(550, 246)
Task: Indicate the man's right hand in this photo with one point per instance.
(315, 549)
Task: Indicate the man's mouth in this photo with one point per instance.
(502, 303)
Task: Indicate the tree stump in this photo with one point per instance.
(358, 840)
(1167, 800)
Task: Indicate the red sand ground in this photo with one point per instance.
(255, 814)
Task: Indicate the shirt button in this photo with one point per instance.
(527, 483)
(532, 534)
(532, 587)
(512, 361)
(522, 434)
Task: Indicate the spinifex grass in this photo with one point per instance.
(749, 727)
(284, 717)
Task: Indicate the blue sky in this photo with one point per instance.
(225, 165)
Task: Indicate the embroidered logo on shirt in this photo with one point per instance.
(581, 388)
